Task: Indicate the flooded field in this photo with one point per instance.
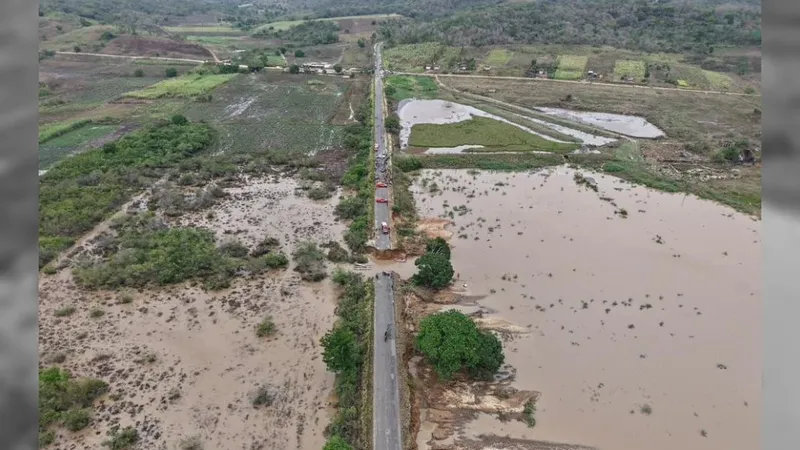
(413, 112)
(183, 363)
(641, 309)
(628, 125)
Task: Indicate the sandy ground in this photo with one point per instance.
(643, 326)
(181, 362)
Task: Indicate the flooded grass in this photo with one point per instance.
(491, 134)
(552, 259)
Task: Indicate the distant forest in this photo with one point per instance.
(666, 26)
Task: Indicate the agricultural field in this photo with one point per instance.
(279, 113)
(571, 67)
(414, 57)
(74, 87)
(186, 86)
(55, 149)
(356, 24)
(399, 87)
(87, 39)
(492, 135)
(634, 70)
(205, 30)
(498, 57)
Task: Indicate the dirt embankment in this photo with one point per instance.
(154, 46)
(185, 363)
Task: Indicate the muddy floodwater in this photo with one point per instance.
(633, 126)
(412, 112)
(643, 326)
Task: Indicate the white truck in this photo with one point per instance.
(384, 228)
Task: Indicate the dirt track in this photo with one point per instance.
(634, 86)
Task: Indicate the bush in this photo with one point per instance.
(452, 342)
(438, 245)
(434, 270)
(337, 68)
(337, 253)
(336, 443)
(267, 245)
(122, 440)
(320, 193)
(309, 262)
(294, 68)
(138, 73)
(233, 248)
(408, 163)
(276, 260)
(299, 53)
(171, 72)
(266, 327)
(76, 49)
(65, 400)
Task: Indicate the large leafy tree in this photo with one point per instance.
(452, 343)
(434, 271)
(340, 350)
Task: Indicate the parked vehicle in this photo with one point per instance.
(384, 228)
(382, 200)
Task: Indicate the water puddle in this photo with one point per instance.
(413, 111)
(632, 126)
(643, 326)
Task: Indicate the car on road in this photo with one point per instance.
(380, 184)
(384, 228)
(381, 200)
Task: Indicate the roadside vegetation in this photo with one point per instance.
(434, 269)
(346, 352)
(401, 87)
(360, 178)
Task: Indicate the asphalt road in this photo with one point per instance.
(386, 433)
(382, 210)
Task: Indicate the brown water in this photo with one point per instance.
(616, 319)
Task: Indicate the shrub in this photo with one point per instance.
(76, 49)
(408, 163)
(309, 262)
(276, 260)
(320, 193)
(294, 68)
(122, 440)
(76, 419)
(336, 443)
(452, 342)
(299, 53)
(179, 120)
(434, 270)
(65, 400)
(138, 73)
(438, 245)
(65, 311)
(267, 245)
(233, 248)
(337, 68)
(337, 253)
(266, 327)
(171, 72)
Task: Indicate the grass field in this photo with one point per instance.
(414, 57)
(182, 87)
(53, 130)
(57, 148)
(87, 38)
(628, 68)
(571, 67)
(286, 24)
(400, 87)
(492, 134)
(276, 112)
(213, 40)
(213, 29)
(717, 81)
(498, 57)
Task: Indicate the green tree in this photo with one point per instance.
(171, 72)
(434, 271)
(138, 73)
(337, 68)
(76, 49)
(392, 124)
(299, 53)
(336, 443)
(362, 43)
(340, 350)
(178, 119)
(452, 342)
(294, 68)
(438, 245)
